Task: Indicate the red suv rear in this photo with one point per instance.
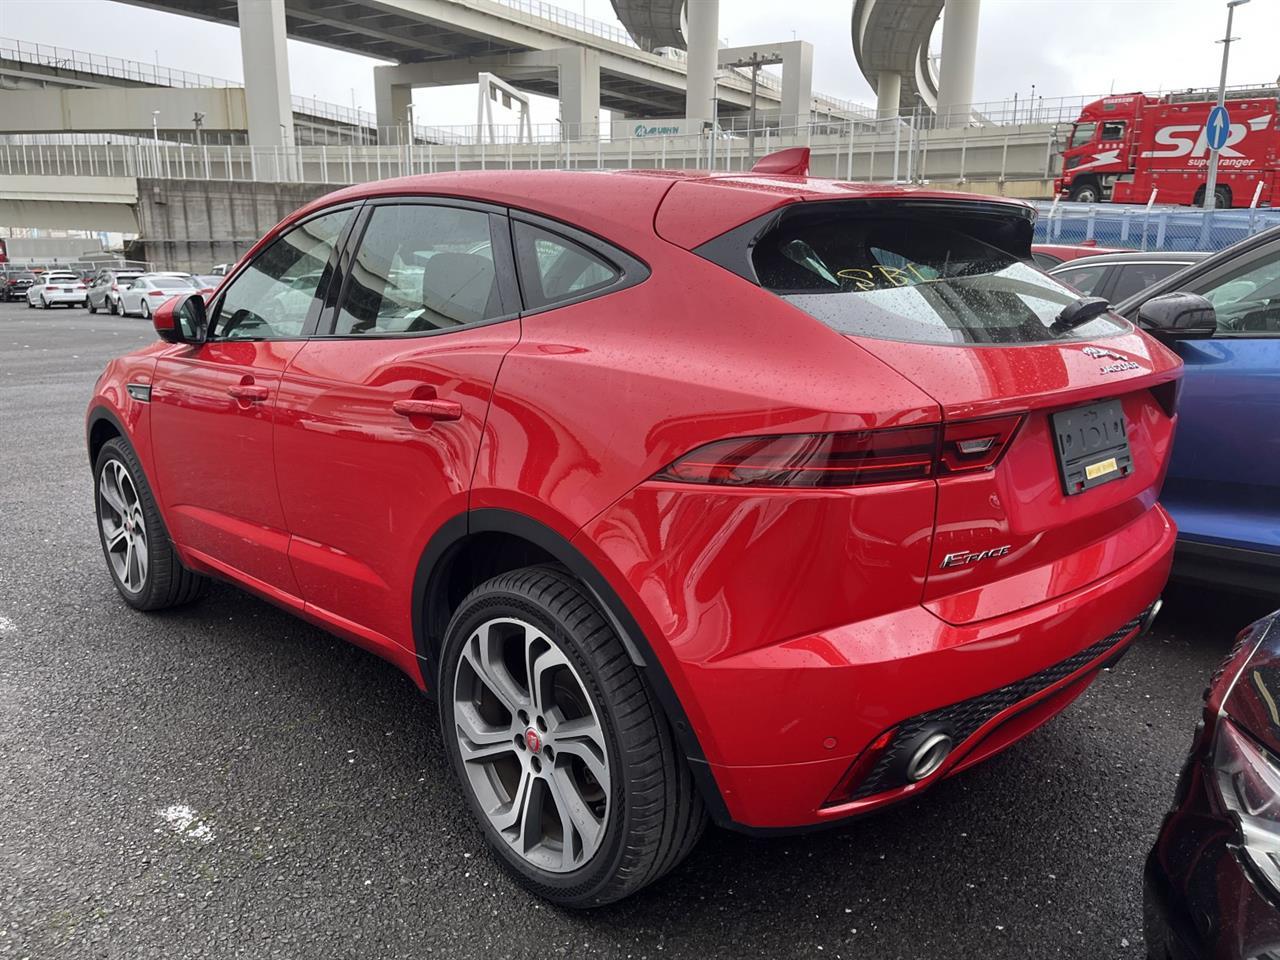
(759, 495)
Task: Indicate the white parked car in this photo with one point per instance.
(152, 289)
(54, 288)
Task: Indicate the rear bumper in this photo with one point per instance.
(781, 722)
(64, 297)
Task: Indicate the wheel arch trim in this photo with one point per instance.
(456, 531)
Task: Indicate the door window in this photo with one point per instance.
(1247, 301)
(421, 268)
(554, 269)
(1135, 277)
(272, 298)
(1085, 280)
(1113, 130)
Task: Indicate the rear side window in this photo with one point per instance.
(1085, 280)
(421, 268)
(926, 274)
(555, 269)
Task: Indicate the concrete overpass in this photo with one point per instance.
(586, 64)
(891, 45)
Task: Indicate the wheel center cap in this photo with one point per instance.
(532, 740)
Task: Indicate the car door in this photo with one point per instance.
(380, 415)
(1224, 477)
(213, 407)
(131, 296)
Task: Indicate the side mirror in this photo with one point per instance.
(181, 319)
(1179, 316)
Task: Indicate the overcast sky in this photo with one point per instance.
(1063, 47)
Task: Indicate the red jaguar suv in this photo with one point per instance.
(756, 497)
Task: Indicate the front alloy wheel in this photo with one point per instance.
(124, 527)
(139, 554)
(565, 756)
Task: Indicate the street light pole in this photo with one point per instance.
(1211, 185)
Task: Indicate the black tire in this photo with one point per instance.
(30, 305)
(146, 311)
(167, 583)
(1222, 198)
(655, 815)
(112, 307)
(43, 302)
(92, 308)
(1086, 192)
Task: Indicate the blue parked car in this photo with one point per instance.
(1224, 479)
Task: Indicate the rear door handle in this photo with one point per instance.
(433, 409)
(249, 392)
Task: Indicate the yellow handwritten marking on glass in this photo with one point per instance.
(1095, 470)
(881, 276)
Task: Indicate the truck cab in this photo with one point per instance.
(1100, 148)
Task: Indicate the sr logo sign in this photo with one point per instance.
(1189, 139)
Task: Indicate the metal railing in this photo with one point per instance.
(889, 150)
(81, 61)
(1149, 227)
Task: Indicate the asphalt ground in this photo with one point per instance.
(227, 781)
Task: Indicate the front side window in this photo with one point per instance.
(925, 276)
(421, 268)
(1082, 133)
(1113, 130)
(554, 269)
(1248, 300)
(1135, 277)
(272, 298)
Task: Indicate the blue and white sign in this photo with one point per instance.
(1217, 128)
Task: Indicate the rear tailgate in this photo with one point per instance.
(1014, 536)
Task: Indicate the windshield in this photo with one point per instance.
(923, 278)
(1082, 133)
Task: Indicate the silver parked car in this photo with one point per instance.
(105, 289)
(150, 290)
(1118, 276)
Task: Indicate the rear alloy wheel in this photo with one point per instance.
(136, 545)
(146, 310)
(565, 757)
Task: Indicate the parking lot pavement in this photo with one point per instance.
(226, 781)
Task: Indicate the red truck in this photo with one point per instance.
(1124, 147)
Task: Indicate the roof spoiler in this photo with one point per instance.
(792, 162)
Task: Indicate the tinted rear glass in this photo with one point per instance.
(945, 277)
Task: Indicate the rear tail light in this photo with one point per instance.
(79, 286)
(155, 293)
(811, 459)
(855, 458)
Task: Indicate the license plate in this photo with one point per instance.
(1092, 446)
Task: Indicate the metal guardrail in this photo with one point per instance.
(1149, 228)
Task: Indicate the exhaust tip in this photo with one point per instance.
(928, 757)
(1150, 616)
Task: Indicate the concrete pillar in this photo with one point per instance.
(579, 84)
(959, 56)
(391, 105)
(266, 72)
(888, 94)
(797, 83)
(702, 37)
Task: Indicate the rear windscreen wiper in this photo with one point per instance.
(1077, 313)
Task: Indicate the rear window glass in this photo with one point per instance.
(918, 277)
